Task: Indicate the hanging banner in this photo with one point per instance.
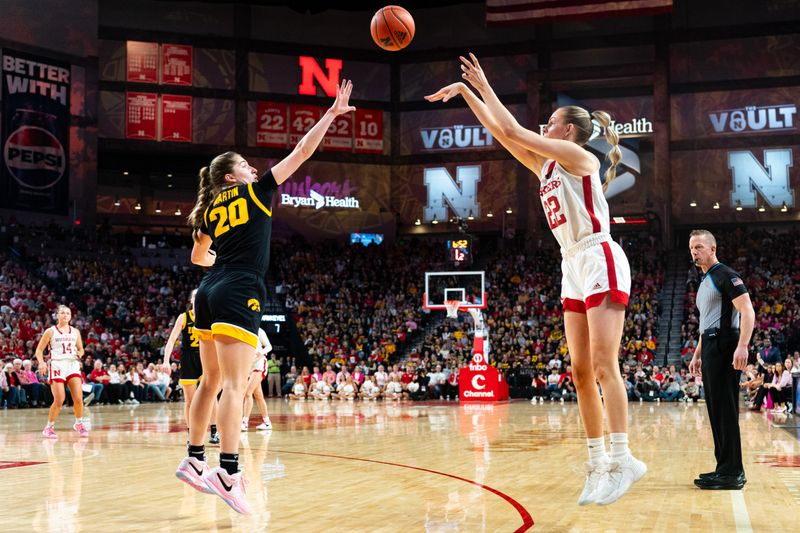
(302, 118)
(340, 134)
(142, 62)
(369, 131)
(176, 118)
(176, 64)
(272, 124)
(35, 133)
(140, 116)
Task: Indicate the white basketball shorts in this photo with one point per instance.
(594, 267)
(63, 369)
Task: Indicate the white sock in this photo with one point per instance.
(50, 424)
(79, 421)
(597, 451)
(266, 420)
(619, 445)
(245, 420)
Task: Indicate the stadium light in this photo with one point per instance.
(738, 205)
(158, 208)
(489, 214)
(116, 200)
(784, 208)
(692, 204)
(761, 208)
(418, 222)
(716, 205)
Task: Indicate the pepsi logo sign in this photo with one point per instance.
(34, 157)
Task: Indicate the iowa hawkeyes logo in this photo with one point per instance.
(253, 304)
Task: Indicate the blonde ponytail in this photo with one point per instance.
(614, 155)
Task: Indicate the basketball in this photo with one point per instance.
(392, 28)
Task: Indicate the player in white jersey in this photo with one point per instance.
(66, 346)
(596, 275)
(257, 374)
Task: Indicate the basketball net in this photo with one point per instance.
(452, 308)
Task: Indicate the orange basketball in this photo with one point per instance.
(392, 28)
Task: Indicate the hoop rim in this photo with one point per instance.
(452, 307)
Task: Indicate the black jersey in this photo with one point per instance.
(189, 339)
(239, 221)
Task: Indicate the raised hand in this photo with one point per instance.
(342, 103)
(473, 73)
(446, 93)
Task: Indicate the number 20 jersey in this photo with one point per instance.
(574, 205)
(239, 221)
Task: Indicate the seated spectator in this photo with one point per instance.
(128, 394)
(370, 390)
(539, 386)
(436, 382)
(164, 382)
(671, 390)
(320, 390)
(298, 391)
(552, 383)
(750, 381)
(781, 388)
(451, 388)
(35, 391)
(155, 390)
(100, 375)
(114, 386)
(346, 390)
(288, 380)
(135, 377)
(566, 390)
(15, 394)
(691, 391)
(422, 386)
(394, 389)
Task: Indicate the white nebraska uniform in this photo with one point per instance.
(593, 265)
(264, 346)
(64, 362)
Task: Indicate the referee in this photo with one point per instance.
(726, 323)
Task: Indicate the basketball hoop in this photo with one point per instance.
(452, 308)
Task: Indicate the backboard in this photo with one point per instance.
(466, 287)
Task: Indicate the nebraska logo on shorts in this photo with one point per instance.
(56, 373)
(253, 304)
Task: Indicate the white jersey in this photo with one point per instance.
(575, 205)
(63, 344)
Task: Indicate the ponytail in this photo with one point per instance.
(204, 197)
(614, 155)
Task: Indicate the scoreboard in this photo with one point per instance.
(459, 251)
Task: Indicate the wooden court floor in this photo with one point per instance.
(437, 467)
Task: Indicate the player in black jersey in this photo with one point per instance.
(233, 211)
(191, 368)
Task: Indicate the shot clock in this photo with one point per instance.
(459, 250)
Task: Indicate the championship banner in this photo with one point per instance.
(272, 124)
(369, 131)
(142, 62)
(302, 118)
(176, 64)
(176, 118)
(340, 134)
(35, 133)
(140, 116)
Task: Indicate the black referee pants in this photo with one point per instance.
(721, 383)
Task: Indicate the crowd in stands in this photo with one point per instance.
(358, 310)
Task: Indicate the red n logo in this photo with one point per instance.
(312, 71)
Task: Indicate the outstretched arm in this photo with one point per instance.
(173, 336)
(570, 155)
(531, 160)
(310, 141)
